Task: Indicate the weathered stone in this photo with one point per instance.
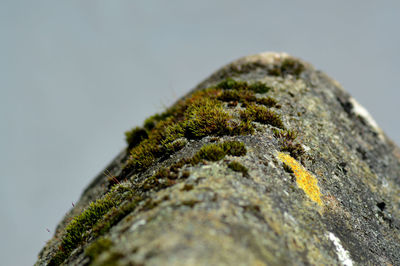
(329, 196)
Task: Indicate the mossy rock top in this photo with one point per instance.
(266, 162)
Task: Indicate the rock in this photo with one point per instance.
(266, 162)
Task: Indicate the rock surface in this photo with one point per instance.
(323, 188)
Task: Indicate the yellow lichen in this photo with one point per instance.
(305, 180)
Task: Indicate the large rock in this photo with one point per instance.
(316, 181)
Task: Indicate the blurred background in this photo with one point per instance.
(75, 75)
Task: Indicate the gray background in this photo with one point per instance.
(74, 75)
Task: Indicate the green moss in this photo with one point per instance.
(234, 148)
(259, 113)
(289, 135)
(259, 87)
(199, 115)
(267, 101)
(237, 95)
(241, 128)
(211, 152)
(287, 140)
(135, 136)
(152, 121)
(231, 84)
(76, 232)
(207, 117)
(216, 152)
(238, 167)
(98, 247)
(174, 146)
(115, 215)
(289, 66)
(143, 155)
(111, 259)
(295, 149)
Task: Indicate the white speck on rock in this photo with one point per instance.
(306, 148)
(358, 109)
(343, 255)
(137, 225)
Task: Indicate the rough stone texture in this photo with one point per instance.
(219, 217)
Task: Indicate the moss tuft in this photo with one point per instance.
(259, 113)
(144, 155)
(259, 87)
(287, 140)
(237, 95)
(135, 136)
(77, 231)
(211, 152)
(295, 149)
(234, 148)
(289, 135)
(238, 167)
(289, 66)
(215, 152)
(267, 101)
(115, 215)
(231, 84)
(98, 247)
(206, 117)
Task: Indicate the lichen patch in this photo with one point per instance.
(305, 180)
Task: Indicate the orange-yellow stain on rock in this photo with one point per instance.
(305, 180)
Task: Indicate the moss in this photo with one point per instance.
(207, 117)
(144, 155)
(199, 115)
(295, 149)
(237, 95)
(289, 135)
(259, 113)
(216, 152)
(238, 167)
(135, 136)
(234, 148)
(241, 128)
(211, 152)
(259, 87)
(111, 259)
(289, 66)
(287, 140)
(231, 84)
(267, 101)
(174, 146)
(115, 215)
(76, 232)
(98, 247)
(152, 121)
(190, 203)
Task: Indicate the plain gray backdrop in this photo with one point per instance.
(74, 75)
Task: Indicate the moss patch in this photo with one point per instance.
(203, 113)
(135, 136)
(289, 66)
(238, 167)
(287, 142)
(207, 117)
(76, 232)
(259, 113)
(216, 152)
(98, 247)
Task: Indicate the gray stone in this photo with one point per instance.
(336, 202)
